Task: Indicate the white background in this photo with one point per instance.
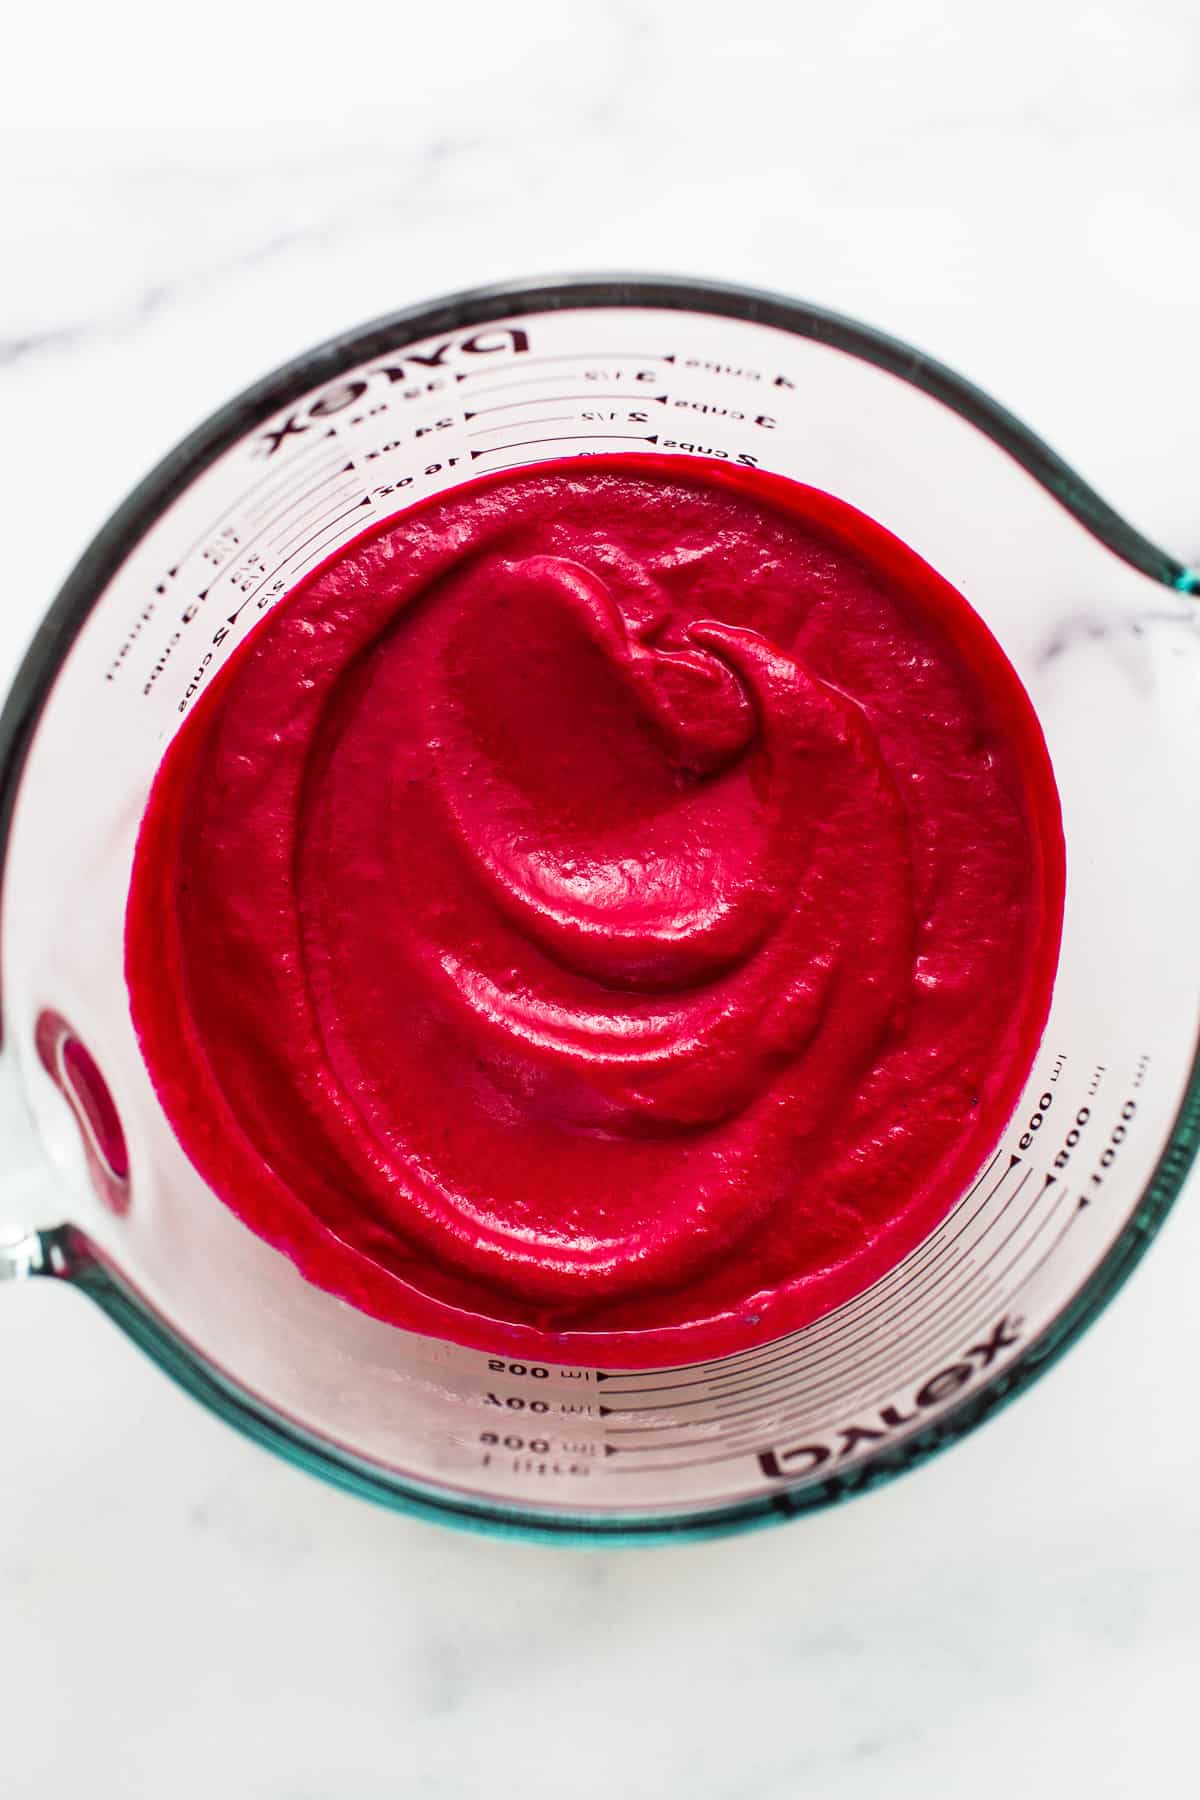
(190, 197)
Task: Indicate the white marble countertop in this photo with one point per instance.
(180, 1614)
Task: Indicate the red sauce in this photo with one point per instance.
(607, 912)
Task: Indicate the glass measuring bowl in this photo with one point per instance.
(1095, 620)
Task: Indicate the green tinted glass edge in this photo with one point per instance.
(66, 1253)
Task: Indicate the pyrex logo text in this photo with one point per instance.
(401, 366)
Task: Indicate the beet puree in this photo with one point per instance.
(620, 898)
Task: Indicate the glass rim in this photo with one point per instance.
(66, 1253)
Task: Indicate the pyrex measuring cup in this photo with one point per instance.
(1098, 624)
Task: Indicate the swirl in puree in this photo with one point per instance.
(608, 910)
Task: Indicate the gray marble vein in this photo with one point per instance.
(183, 1616)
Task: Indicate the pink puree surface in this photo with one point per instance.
(606, 913)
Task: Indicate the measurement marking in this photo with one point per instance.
(811, 1394)
(305, 496)
(932, 1253)
(331, 535)
(282, 563)
(945, 1324)
(769, 1355)
(941, 1319)
(859, 1365)
(814, 1410)
(319, 524)
(747, 1419)
(851, 1313)
(528, 462)
(578, 356)
(695, 1462)
(823, 1394)
(507, 405)
(748, 1434)
(784, 1347)
(316, 517)
(756, 1426)
(1008, 1238)
(824, 1390)
(858, 1308)
(979, 1304)
(871, 1369)
(1070, 1220)
(505, 424)
(752, 1424)
(274, 537)
(815, 1405)
(992, 1254)
(641, 1449)
(255, 592)
(687, 1425)
(504, 387)
(256, 534)
(918, 1318)
(328, 524)
(1046, 1218)
(334, 457)
(289, 468)
(574, 437)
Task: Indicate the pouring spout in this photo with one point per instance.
(24, 1253)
